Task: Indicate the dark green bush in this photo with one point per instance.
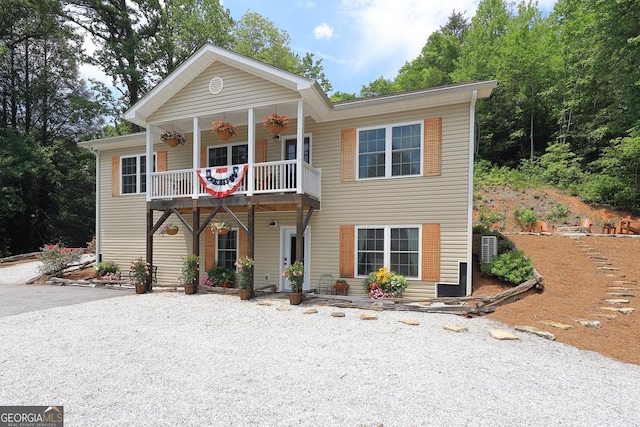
(511, 267)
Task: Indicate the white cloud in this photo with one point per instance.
(310, 5)
(391, 32)
(323, 31)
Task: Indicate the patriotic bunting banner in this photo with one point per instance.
(220, 182)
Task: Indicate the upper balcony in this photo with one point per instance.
(266, 178)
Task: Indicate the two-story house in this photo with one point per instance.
(349, 187)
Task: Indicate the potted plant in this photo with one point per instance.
(276, 123)
(245, 268)
(341, 285)
(221, 276)
(172, 139)
(107, 270)
(139, 272)
(384, 284)
(220, 227)
(225, 130)
(169, 229)
(295, 274)
(189, 274)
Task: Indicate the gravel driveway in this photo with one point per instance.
(169, 359)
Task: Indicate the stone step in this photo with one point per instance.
(602, 263)
(499, 334)
(625, 282)
(607, 316)
(615, 275)
(594, 324)
(625, 310)
(597, 257)
(587, 249)
(617, 301)
(456, 328)
(621, 294)
(556, 325)
(619, 288)
(608, 268)
(536, 331)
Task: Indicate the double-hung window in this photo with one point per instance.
(227, 155)
(390, 151)
(388, 246)
(134, 173)
(227, 245)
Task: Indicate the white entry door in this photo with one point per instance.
(288, 255)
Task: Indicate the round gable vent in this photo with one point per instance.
(215, 85)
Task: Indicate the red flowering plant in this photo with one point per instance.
(295, 274)
(384, 284)
(244, 266)
(277, 120)
(139, 271)
(55, 258)
(221, 127)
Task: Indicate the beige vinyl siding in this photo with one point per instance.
(241, 90)
(413, 200)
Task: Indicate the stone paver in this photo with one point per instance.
(557, 325)
(409, 322)
(456, 328)
(367, 316)
(536, 331)
(502, 335)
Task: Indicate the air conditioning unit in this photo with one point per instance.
(489, 249)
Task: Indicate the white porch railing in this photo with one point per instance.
(270, 177)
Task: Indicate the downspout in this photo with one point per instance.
(472, 137)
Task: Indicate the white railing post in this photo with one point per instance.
(149, 154)
(300, 146)
(196, 158)
(251, 130)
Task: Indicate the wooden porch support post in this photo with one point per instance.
(195, 240)
(300, 232)
(251, 236)
(149, 245)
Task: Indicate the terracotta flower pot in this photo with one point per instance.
(275, 129)
(224, 135)
(141, 288)
(295, 298)
(190, 288)
(172, 142)
(245, 294)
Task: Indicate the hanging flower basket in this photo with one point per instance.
(225, 130)
(172, 139)
(220, 227)
(275, 123)
(172, 230)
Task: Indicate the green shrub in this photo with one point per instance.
(558, 213)
(526, 216)
(487, 217)
(106, 267)
(511, 267)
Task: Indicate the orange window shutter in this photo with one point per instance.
(204, 159)
(347, 250)
(209, 249)
(431, 252)
(115, 176)
(242, 243)
(348, 156)
(162, 161)
(261, 150)
(433, 147)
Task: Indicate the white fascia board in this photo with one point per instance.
(131, 140)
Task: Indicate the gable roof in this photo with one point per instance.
(309, 89)
(316, 103)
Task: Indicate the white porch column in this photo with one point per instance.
(251, 131)
(472, 139)
(150, 163)
(300, 147)
(196, 158)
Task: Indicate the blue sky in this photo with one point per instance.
(359, 40)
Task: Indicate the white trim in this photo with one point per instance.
(148, 172)
(472, 119)
(387, 247)
(307, 255)
(388, 153)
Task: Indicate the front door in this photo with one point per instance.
(289, 240)
(291, 146)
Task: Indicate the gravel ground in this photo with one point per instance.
(169, 359)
